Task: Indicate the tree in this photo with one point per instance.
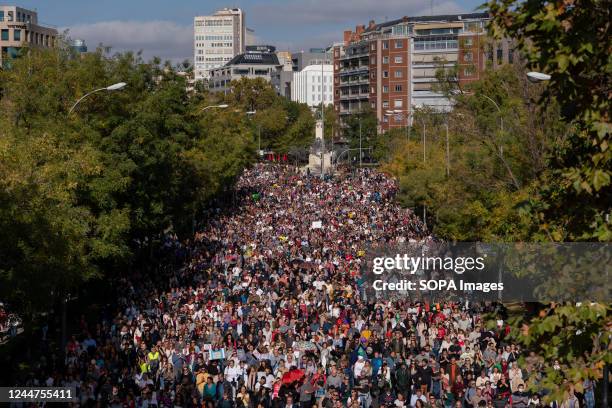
(85, 195)
(360, 130)
(569, 40)
(280, 124)
(491, 172)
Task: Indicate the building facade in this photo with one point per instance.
(250, 38)
(283, 79)
(20, 28)
(217, 39)
(79, 46)
(314, 56)
(252, 64)
(391, 67)
(313, 85)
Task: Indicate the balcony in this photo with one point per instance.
(359, 81)
(360, 54)
(354, 70)
(355, 96)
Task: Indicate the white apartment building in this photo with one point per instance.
(313, 84)
(217, 39)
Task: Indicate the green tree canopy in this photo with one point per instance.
(82, 193)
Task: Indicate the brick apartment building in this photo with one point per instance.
(391, 67)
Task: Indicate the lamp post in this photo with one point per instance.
(501, 119)
(424, 162)
(406, 116)
(250, 114)
(424, 140)
(111, 88)
(193, 215)
(221, 106)
(360, 151)
(501, 147)
(322, 122)
(538, 76)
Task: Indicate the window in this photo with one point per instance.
(397, 103)
(398, 73)
(385, 45)
(373, 105)
(399, 59)
(385, 60)
(5, 35)
(510, 56)
(467, 57)
(489, 54)
(399, 44)
(500, 55)
(441, 43)
(385, 89)
(385, 104)
(398, 88)
(373, 47)
(372, 90)
(373, 61)
(467, 43)
(467, 72)
(385, 74)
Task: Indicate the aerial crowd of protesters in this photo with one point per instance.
(266, 307)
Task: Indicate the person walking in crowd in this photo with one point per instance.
(266, 308)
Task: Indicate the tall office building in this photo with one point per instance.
(20, 28)
(217, 39)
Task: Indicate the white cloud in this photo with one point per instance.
(289, 25)
(310, 17)
(164, 39)
(341, 11)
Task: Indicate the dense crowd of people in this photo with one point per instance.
(267, 308)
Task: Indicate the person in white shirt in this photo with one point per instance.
(232, 372)
(417, 396)
(358, 366)
(400, 402)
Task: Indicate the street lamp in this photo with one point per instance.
(501, 148)
(424, 161)
(538, 76)
(114, 87)
(501, 119)
(406, 116)
(251, 113)
(222, 106)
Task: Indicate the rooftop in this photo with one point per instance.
(251, 58)
(423, 19)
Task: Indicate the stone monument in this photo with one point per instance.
(319, 153)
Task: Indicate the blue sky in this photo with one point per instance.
(164, 28)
